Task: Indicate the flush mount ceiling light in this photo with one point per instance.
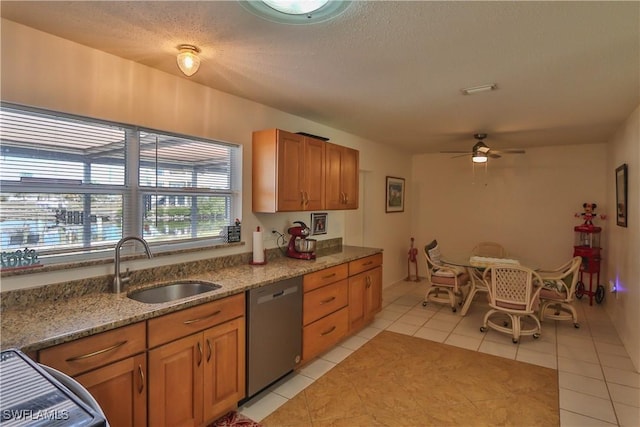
(296, 11)
(478, 89)
(188, 60)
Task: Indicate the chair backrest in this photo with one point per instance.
(489, 249)
(513, 287)
(568, 273)
(432, 254)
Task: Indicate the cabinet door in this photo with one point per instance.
(291, 171)
(365, 297)
(175, 383)
(373, 295)
(313, 187)
(224, 367)
(341, 177)
(349, 177)
(333, 188)
(121, 390)
(357, 289)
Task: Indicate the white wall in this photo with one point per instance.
(526, 202)
(49, 72)
(623, 257)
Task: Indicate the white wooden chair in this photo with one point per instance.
(443, 279)
(558, 292)
(513, 294)
(489, 249)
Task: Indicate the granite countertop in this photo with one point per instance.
(47, 323)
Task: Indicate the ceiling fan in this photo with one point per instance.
(481, 152)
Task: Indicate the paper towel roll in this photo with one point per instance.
(258, 247)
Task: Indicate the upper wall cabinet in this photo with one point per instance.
(341, 177)
(288, 172)
(293, 172)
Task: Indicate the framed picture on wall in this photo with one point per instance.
(318, 223)
(621, 195)
(395, 194)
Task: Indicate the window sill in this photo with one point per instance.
(45, 268)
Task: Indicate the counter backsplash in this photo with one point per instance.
(76, 288)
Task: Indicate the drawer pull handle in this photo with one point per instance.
(333, 328)
(368, 263)
(199, 353)
(210, 351)
(141, 380)
(95, 353)
(328, 300)
(329, 276)
(189, 322)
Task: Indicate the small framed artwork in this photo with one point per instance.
(318, 223)
(621, 195)
(395, 194)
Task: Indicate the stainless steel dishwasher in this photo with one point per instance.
(274, 338)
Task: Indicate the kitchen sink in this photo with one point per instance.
(172, 291)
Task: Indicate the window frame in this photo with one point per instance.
(131, 192)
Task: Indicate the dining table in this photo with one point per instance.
(475, 266)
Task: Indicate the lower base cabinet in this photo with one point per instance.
(120, 388)
(194, 379)
(112, 366)
(365, 297)
(339, 301)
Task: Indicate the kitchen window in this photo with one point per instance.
(73, 186)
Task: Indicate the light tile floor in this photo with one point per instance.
(597, 380)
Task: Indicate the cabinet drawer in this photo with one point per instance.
(324, 277)
(325, 300)
(364, 264)
(95, 351)
(185, 322)
(324, 333)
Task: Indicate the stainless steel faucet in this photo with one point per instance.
(117, 280)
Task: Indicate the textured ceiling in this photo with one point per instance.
(567, 72)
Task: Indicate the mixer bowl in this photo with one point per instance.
(305, 245)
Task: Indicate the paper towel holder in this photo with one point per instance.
(259, 263)
(257, 244)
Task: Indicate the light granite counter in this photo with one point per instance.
(53, 321)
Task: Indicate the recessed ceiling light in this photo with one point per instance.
(477, 89)
(296, 11)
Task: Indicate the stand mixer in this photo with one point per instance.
(299, 246)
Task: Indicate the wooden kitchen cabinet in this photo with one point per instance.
(201, 374)
(341, 177)
(112, 366)
(288, 172)
(324, 313)
(121, 390)
(365, 290)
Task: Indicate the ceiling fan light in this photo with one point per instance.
(188, 59)
(479, 157)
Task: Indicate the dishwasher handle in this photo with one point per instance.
(276, 295)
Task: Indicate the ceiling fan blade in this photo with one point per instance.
(494, 155)
(509, 151)
(461, 155)
(455, 152)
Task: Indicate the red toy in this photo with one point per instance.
(413, 258)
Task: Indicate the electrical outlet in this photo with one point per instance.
(612, 286)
